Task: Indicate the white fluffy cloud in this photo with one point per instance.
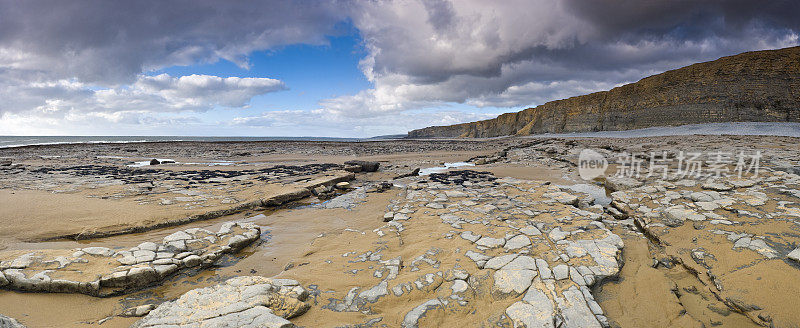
(322, 122)
(192, 92)
(85, 63)
(149, 101)
(160, 93)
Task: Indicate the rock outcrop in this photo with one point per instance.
(518, 248)
(759, 86)
(101, 271)
(248, 301)
(6, 322)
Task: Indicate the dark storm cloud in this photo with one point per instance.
(113, 41)
(489, 53)
(685, 19)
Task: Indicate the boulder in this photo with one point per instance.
(319, 190)
(352, 168)
(674, 216)
(716, 186)
(622, 183)
(413, 173)
(138, 311)
(562, 197)
(365, 166)
(154, 162)
(379, 187)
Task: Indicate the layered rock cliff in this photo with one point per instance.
(759, 86)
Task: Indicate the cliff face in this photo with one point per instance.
(760, 86)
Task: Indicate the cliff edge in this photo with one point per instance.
(758, 86)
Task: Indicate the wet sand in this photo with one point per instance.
(307, 240)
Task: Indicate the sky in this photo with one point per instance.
(341, 68)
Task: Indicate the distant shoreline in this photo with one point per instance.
(778, 129)
(27, 141)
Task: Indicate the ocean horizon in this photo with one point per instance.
(22, 141)
(784, 129)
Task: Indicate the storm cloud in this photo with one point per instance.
(74, 59)
(523, 53)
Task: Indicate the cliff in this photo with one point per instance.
(759, 86)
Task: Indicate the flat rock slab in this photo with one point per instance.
(736, 234)
(795, 255)
(100, 271)
(6, 322)
(248, 301)
(531, 246)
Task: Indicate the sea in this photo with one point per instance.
(20, 141)
(736, 128)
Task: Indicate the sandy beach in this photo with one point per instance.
(391, 248)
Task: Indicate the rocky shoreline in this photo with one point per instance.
(101, 271)
(757, 86)
(517, 240)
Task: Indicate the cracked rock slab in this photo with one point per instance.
(248, 301)
(100, 271)
(6, 322)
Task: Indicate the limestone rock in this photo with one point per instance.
(513, 281)
(499, 261)
(575, 310)
(530, 231)
(250, 301)
(411, 319)
(716, 186)
(116, 271)
(138, 311)
(523, 314)
(562, 197)
(490, 242)
(675, 216)
(6, 322)
(794, 255)
(365, 166)
(757, 83)
(561, 272)
(480, 259)
(517, 242)
(622, 183)
(470, 236)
